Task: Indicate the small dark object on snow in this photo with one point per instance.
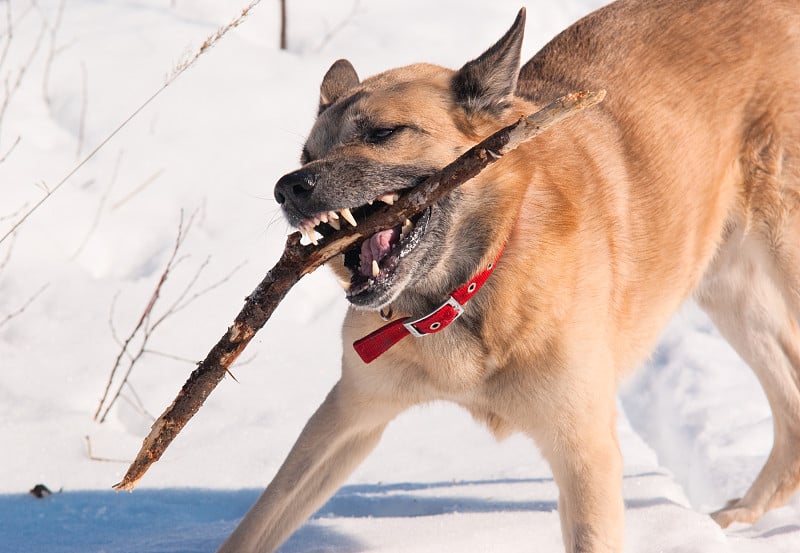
(40, 491)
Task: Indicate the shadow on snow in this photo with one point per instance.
(197, 520)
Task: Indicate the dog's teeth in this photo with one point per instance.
(332, 218)
(323, 217)
(345, 284)
(348, 216)
(308, 233)
(389, 198)
(408, 226)
(375, 269)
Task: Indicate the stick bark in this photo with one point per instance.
(298, 260)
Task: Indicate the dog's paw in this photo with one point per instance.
(736, 511)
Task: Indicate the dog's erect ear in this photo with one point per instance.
(486, 83)
(340, 78)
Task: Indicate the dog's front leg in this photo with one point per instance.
(587, 464)
(341, 433)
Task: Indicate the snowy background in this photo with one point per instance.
(77, 275)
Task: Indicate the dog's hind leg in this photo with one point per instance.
(746, 295)
(341, 433)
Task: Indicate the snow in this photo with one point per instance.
(695, 427)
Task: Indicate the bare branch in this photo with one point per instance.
(298, 260)
(171, 309)
(84, 108)
(7, 256)
(142, 322)
(137, 402)
(177, 72)
(93, 457)
(99, 211)
(10, 149)
(211, 41)
(13, 82)
(23, 307)
(9, 34)
(148, 323)
(52, 52)
(341, 25)
(283, 25)
(178, 306)
(147, 182)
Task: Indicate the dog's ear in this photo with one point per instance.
(340, 78)
(486, 83)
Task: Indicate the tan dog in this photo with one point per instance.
(686, 180)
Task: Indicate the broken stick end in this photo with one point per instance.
(126, 485)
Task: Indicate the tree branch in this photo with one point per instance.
(298, 260)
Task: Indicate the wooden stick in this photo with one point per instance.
(298, 260)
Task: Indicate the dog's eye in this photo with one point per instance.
(375, 136)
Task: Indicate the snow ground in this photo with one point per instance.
(696, 430)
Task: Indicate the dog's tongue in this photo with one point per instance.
(376, 248)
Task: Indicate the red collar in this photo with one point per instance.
(374, 345)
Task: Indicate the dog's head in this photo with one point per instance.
(376, 137)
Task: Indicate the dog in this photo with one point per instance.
(529, 292)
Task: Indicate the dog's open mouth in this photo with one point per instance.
(374, 261)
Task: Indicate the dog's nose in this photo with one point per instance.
(295, 186)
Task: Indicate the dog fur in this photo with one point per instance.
(684, 182)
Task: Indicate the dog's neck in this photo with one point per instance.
(378, 342)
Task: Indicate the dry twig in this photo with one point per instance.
(298, 261)
(52, 52)
(12, 80)
(84, 109)
(144, 184)
(148, 323)
(100, 206)
(177, 72)
(21, 309)
(4, 156)
(283, 25)
(347, 20)
(93, 457)
(143, 324)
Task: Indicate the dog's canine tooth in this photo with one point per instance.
(408, 226)
(345, 284)
(333, 219)
(375, 269)
(348, 217)
(389, 198)
(323, 217)
(307, 232)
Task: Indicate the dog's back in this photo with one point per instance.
(701, 134)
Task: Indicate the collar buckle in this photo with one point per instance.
(431, 317)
